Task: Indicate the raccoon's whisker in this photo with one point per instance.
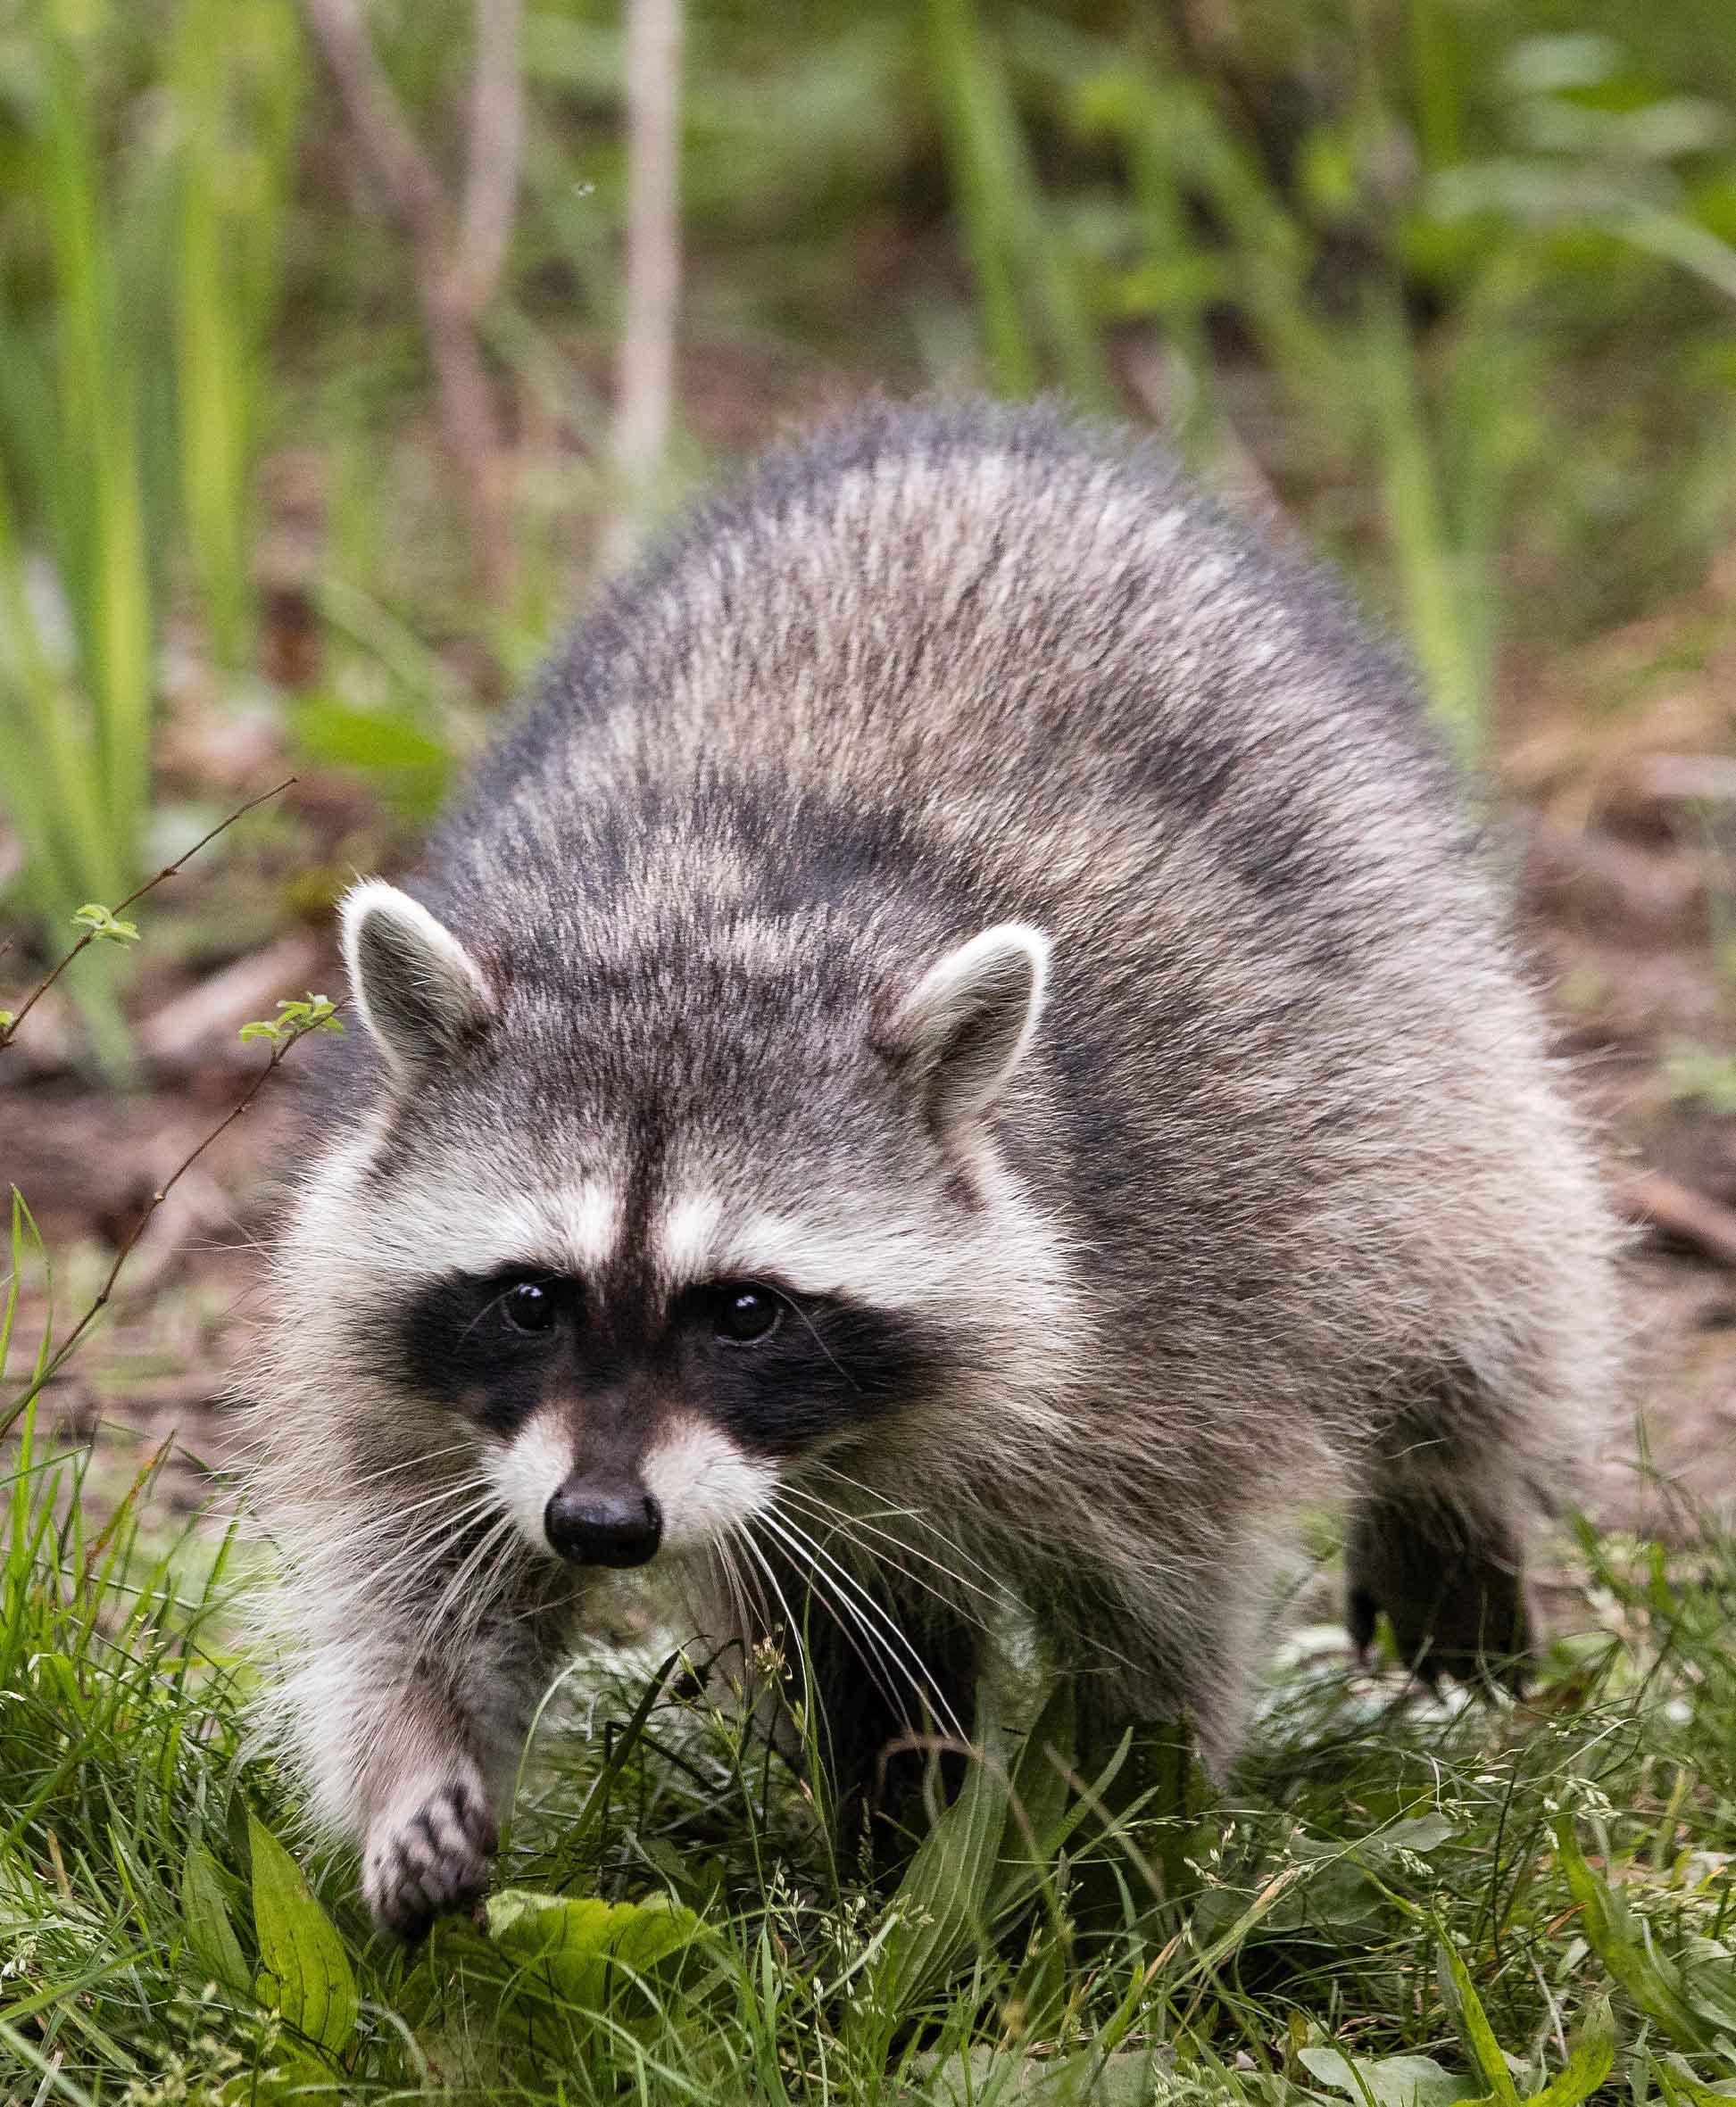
(424, 1556)
(492, 1538)
(876, 1663)
(742, 1588)
(849, 1625)
(908, 1660)
(996, 1590)
(474, 1488)
(413, 1463)
(726, 1575)
(448, 1528)
(741, 1535)
(890, 1510)
(488, 1310)
(820, 1342)
(847, 1529)
(852, 1527)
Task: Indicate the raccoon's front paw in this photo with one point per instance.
(427, 1858)
(1455, 1597)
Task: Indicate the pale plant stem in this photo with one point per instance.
(645, 365)
(8, 1032)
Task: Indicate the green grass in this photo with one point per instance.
(1519, 1905)
(1398, 1900)
(137, 292)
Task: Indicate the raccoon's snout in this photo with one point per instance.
(595, 1521)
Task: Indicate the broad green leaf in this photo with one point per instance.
(586, 1946)
(985, 2076)
(209, 1930)
(1709, 1981)
(942, 1904)
(1420, 1833)
(1344, 1892)
(1654, 1985)
(1038, 1819)
(1459, 1994)
(1588, 2064)
(1677, 2082)
(1388, 2081)
(290, 2078)
(315, 1990)
(1039, 1786)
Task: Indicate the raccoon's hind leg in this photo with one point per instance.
(1451, 1584)
(1437, 1540)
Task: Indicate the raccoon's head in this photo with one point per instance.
(647, 1237)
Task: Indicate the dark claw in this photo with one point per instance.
(439, 1860)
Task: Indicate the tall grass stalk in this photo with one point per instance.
(101, 559)
(83, 400)
(1430, 432)
(115, 426)
(1029, 288)
(239, 79)
(1444, 601)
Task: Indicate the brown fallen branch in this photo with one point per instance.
(11, 1023)
(456, 254)
(1665, 1204)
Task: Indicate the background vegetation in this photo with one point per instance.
(300, 465)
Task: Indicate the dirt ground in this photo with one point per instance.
(1617, 806)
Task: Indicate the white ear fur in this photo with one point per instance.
(420, 992)
(966, 1026)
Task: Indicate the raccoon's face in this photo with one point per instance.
(646, 1288)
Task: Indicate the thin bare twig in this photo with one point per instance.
(455, 271)
(104, 1294)
(9, 1032)
(645, 372)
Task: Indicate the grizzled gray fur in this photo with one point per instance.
(962, 1051)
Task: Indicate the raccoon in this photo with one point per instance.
(961, 1050)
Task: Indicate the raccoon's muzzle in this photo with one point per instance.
(604, 1522)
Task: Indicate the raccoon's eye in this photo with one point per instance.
(746, 1314)
(529, 1306)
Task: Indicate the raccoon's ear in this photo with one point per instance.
(965, 1027)
(420, 992)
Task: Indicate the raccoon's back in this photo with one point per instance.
(986, 635)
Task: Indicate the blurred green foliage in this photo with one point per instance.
(1455, 282)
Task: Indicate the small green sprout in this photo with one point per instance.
(97, 919)
(295, 1020)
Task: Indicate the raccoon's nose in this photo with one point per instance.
(594, 1523)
